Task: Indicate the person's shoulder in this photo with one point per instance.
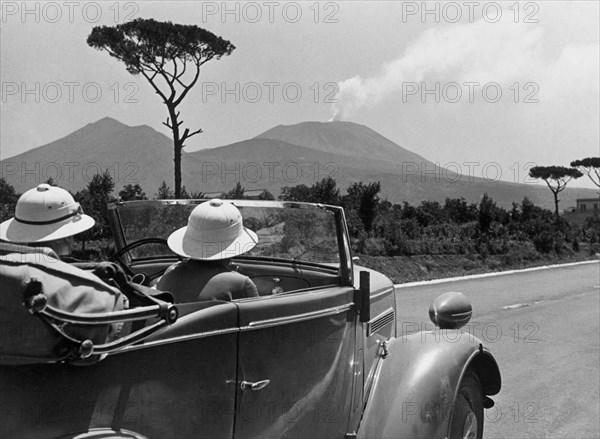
(238, 284)
(232, 275)
(231, 280)
(176, 266)
(171, 274)
(185, 266)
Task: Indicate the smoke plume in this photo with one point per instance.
(477, 52)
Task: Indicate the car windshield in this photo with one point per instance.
(286, 231)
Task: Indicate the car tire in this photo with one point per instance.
(467, 416)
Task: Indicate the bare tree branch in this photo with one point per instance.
(189, 87)
(187, 134)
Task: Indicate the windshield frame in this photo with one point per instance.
(345, 258)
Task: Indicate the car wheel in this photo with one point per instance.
(467, 416)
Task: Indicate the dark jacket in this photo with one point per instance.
(193, 280)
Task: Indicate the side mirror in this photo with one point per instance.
(450, 311)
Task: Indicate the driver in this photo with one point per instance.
(213, 235)
(46, 216)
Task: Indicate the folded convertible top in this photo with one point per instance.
(51, 311)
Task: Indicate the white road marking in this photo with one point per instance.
(521, 305)
(498, 273)
(516, 306)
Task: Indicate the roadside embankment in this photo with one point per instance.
(403, 269)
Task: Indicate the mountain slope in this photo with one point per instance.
(345, 138)
(131, 154)
(272, 164)
(283, 156)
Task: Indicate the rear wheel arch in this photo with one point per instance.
(488, 372)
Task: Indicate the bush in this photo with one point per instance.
(497, 246)
(355, 226)
(483, 252)
(559, 245)
(519, 253)
(591, 229)
(594, 249)
(374, 247)
(96, 250)
(544, 242)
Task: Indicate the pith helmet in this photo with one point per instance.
(45, 213)
(214, 231)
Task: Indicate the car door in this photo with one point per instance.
(178, 384)
(296, 364)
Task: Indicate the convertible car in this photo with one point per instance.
(318, 354)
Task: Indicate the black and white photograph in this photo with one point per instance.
(300, 219)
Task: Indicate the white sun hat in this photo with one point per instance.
(45, 213)
(214, 231)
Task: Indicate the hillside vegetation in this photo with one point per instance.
(404, 241)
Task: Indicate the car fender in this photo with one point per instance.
(416, 383)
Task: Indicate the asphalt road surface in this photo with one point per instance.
(543, 327)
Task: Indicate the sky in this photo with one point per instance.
(486, 88)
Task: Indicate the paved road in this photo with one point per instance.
(543, 327)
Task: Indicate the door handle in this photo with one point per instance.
(259, 385)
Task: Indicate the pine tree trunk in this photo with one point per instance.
(177, 147)
(177, 161)
(556, 207)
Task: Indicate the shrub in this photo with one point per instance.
(594, 249)
(96, 250)
(374, 247)
(483, 252)
(544, 242)
(518, 253)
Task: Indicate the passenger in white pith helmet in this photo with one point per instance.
(46, 216)
(214, 234)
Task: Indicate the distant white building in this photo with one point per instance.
(588, 205)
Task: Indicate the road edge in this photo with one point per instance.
(492, 274)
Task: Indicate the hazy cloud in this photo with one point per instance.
(481, 52)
